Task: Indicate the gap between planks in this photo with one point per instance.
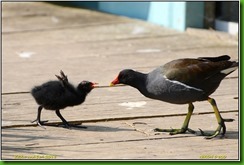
(78, 122)
(64, 27)
(99, 86)
(115, 141)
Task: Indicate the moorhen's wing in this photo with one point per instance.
(204, 73)
(63, 78)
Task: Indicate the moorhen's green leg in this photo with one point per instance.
(220, 121)
(38, 119)
(66, 124)
(184, 127)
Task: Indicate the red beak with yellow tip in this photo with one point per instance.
(114, 82)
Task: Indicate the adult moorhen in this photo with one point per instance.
(56, 95)
(183, 81)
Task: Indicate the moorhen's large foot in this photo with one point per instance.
(175, 131)
(184, 127)
(66, 125)
(218, 130)
(220, 121)
(40, 123)
(78, 126)
(69, 126)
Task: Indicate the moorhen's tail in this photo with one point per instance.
(231, 68)
(224, 68)
(35, 90)
(227, 66)
(216, 59)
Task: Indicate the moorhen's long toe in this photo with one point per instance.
(175, 131)
(220, 128)
(183, 81)
(220, 121)
(70, 126)
(184, 127)
(77, 126)
(40, 123)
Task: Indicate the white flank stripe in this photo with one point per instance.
(180, 83)
(227, 71)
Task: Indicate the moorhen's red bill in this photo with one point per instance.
(56, 95)
(183, 81)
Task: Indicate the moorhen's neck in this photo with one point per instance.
(82, 93)
(78, 95)
(138, 80)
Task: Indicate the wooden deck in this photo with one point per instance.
(40, 39)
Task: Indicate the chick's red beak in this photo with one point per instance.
(115, 81)
(93, 84)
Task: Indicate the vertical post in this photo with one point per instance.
(168, 14)
(177, 15)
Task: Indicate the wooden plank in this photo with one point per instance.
(213, 35)
(41, 16)
(73, 50)
(89, 58)
(106, 103)
(163, 42)
(95, 46)
(118, 140)
(115, 31)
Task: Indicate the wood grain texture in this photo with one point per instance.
(40, 39)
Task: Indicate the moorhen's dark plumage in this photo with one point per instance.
(183, 81)
(56, 95)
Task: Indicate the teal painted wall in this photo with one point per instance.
(168, 14)
(130, 9)
(195, 14)
(175, 15)
(85, 4)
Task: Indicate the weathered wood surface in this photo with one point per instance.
(119, 140)
(104, 103)
(96, 46)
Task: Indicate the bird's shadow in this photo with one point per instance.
(92, 128)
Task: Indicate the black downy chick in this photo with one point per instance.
(56, 95)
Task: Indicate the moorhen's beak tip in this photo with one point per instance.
(94, 84)
(114, 82)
